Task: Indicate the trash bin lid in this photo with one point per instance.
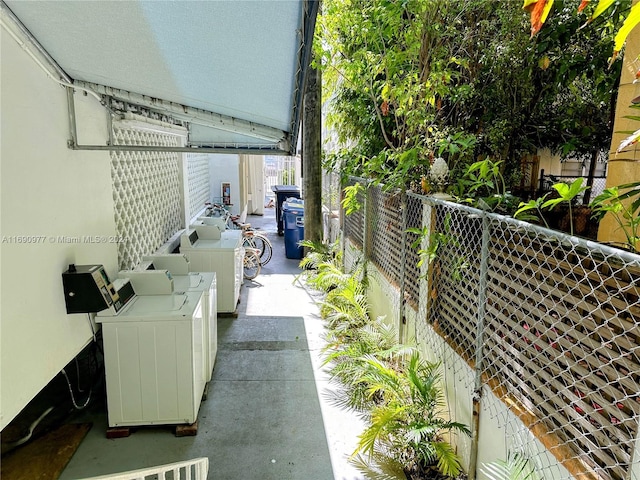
(285, 189)
(293, 205)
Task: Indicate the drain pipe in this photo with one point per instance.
(477, 393)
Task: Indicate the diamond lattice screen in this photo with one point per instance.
(146, 193)
(198, 179)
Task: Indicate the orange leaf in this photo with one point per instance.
(539, 11)
(583, 5)
(384, 108)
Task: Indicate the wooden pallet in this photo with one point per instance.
(182, 430)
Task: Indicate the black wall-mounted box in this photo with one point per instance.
(87, 288)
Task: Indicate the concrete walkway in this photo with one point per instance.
(266, 416)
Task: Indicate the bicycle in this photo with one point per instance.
(219, 211)
(251, 263)
(258, 241)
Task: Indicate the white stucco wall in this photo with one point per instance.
(47, 192)
(226, 168)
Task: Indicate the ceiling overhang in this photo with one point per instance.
(231, 71)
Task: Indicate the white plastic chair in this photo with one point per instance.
(196, 469)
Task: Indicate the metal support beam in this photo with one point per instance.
(197, 149)
(193, 115)
(71, 112)
(73, 144)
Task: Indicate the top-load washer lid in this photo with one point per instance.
(229, 240)
(158, 303)
(183, 283)
(195, 280)
(147, 308)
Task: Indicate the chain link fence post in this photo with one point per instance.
(366, 240)
(479, 357)
(343, 234)
(402, 321)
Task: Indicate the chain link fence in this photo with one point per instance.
(354, 224)
(547, 323)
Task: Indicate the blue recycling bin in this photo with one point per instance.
(293, 214)
(283, 193)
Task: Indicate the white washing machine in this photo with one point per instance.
(204, 282)
(223, 255)
(181, 281)
(155, 359)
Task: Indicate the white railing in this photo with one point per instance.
(281, 171)
(196, 469)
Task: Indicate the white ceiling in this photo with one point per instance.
(236, 58)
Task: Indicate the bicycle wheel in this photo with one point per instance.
(251, 264)
(263, 244)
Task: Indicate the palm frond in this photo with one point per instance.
(417, 433)
(382, 378)
(378, 466)
(382, 420)
(516, 467)
(448, 460)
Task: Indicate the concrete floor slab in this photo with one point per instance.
(261, 328)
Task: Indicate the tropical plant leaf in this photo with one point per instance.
(351, 201)
(378, 467)
(630, 22)
(602, 6)
(539, 10)
(381, 419)
(526, 206)
(448, 461)
(516, 467)
(624, 208)
(566, 192)
(583, 5)
(630, 140)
